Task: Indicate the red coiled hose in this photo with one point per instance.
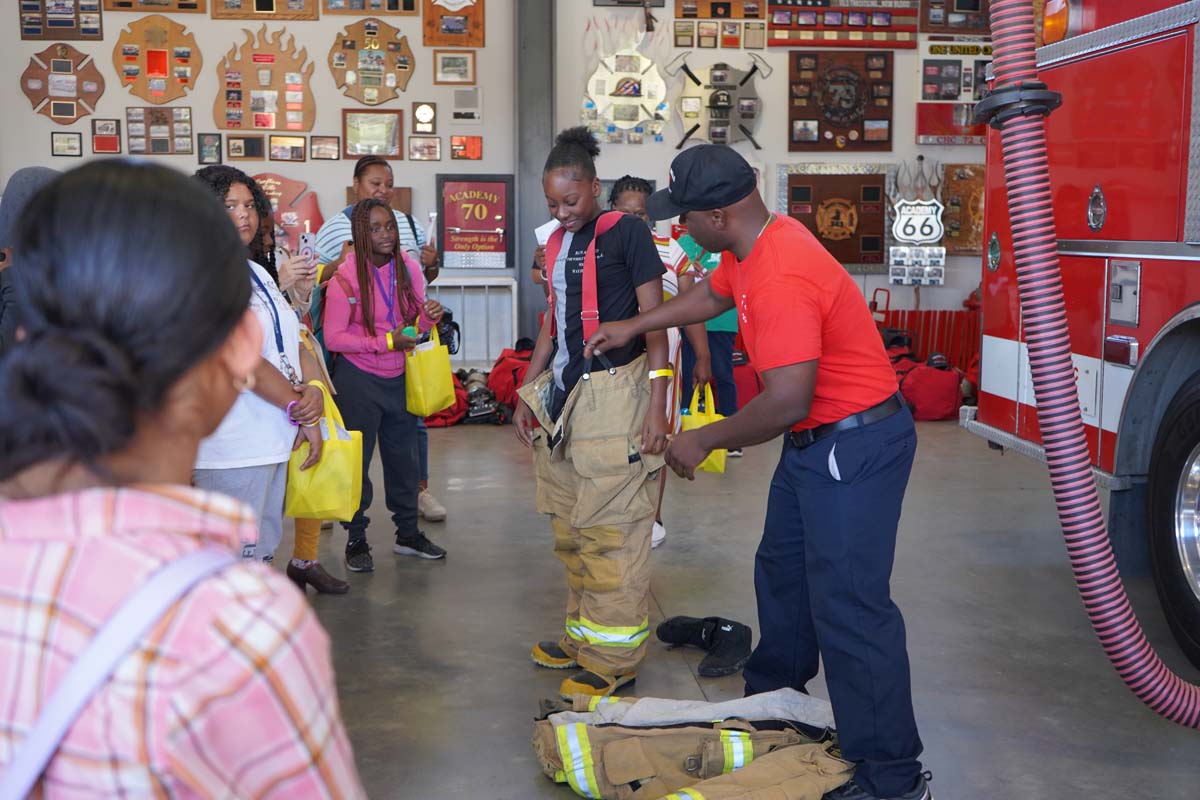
(1043, 314)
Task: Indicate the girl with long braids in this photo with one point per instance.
(375, 295)
(603, 424)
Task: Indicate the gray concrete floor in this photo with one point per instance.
(1014, 697)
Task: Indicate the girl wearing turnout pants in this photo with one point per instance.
(603, 423)
(376, 293)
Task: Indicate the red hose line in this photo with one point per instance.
(1043, 314)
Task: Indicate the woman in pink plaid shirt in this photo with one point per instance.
(134, 293)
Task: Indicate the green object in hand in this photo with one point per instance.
(410, 332)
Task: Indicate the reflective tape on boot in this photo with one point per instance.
(609, 635)
(576, 753)
(739, 750)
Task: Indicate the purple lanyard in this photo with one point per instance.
(390, 298)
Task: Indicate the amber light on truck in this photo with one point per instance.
(1056, 19)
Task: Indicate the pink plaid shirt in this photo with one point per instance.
(231, 694)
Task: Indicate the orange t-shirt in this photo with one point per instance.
(796, 303)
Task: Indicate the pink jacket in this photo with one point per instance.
(370, 353)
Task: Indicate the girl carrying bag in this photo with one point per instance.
(695, 418)
(428, 379)
(331, 488)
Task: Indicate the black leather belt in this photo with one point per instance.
(802, 439)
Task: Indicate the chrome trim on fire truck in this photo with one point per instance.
(1104, 39)
(1010, 441)
(1166, 251)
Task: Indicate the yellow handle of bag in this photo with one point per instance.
(695, 418)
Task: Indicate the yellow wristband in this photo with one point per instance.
(391, 344)
(662, 373)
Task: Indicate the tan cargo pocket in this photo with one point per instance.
(612, 486)
(625, 762)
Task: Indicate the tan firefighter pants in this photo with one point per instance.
(593, 484)
(620, 763)
(805, 772)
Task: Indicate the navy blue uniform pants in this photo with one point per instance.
(822, 577)
(720, 349)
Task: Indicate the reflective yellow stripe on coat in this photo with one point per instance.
(739, 750)
(684, 794)
(576, 753)
(594, 702)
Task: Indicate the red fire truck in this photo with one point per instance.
(1124, 152)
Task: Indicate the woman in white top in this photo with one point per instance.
(247, 456)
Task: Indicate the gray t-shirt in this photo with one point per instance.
(562, 356)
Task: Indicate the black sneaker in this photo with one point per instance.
(358, 556)
(419, 546)
(852, 791)
(727, 642)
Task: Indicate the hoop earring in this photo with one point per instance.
(246, 383)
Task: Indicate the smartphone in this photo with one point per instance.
(308, 248)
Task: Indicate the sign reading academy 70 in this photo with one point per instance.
(918, 222)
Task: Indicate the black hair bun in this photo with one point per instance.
(75, 391)
(580, 136)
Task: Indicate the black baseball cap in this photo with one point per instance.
(702, 178)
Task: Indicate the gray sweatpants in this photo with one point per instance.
(262, 488)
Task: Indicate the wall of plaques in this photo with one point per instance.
(453, 23)
(956, 17)
(839, 100)
(62, 83)
(159, 6)
(160, 131)
(60, 19)
(409, 8)
(844, 205)
(264, 85)
(371, 61)
(157, 59)
(265, 10)
(890, 24)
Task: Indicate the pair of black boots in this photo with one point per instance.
(727, 642)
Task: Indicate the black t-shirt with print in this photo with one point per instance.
(626, 258)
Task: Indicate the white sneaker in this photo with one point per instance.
(735, 452)
(659, 534)
(429, 507)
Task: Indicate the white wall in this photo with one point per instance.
(25, 136)
(650, 159)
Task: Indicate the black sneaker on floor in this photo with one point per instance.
(727, 642)
(418, 545)
(852, 791)
(358, 556)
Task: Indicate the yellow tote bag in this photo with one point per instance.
(695, 418)
(331, 488)
(428, 379)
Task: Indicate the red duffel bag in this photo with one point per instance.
(455, 413)
(507, 374)
(932, 392)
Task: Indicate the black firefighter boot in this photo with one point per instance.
(727, 642)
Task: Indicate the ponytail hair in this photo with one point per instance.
(577, 149)
(360, 228)
(115, 310)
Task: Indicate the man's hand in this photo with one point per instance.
(609, 336)
(523, 423)
(685, 453)
(654, 432)
(312, 435)
(310, 405)
(702, 373)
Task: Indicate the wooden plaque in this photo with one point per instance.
(159, 6)
(716, 9)
(839, 100)
(453, 23)
(371, 61)
(958, 17)
(62, 83)
(406, 8)
(847, 213)
(962, 195)
(265, 10)
(157, 59)
(264, 85)
(157, 131)
(60, 20)
(294, 207)
(889, 24)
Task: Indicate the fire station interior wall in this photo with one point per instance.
(25, 136)
(577, 22)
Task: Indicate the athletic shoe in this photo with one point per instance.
(551, 656)
(358, 556)
(417, 545)
(659, 534)
(852, 791)
(429, 507)
(734, 453)
(589, 683)
(727, 642)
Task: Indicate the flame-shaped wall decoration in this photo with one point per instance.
(264, 85)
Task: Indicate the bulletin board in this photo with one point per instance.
(453, 23)
(156, 131)
(715, 9)
(157, 59)
(844, 205)
(265, 10)
(953, 77)
(474, 216)
(409, 8)
(60, 20)
(888, 24)
(159, 6)
(839, 100)
(264, 85)
(957, 17)
(62, 83)
(371, 61)
(962, 196)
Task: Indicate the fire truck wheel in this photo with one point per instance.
(1174, 516)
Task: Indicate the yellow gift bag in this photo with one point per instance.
(428, 379)
(331, 488)
(695, 418)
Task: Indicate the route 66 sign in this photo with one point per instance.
(918, 222)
